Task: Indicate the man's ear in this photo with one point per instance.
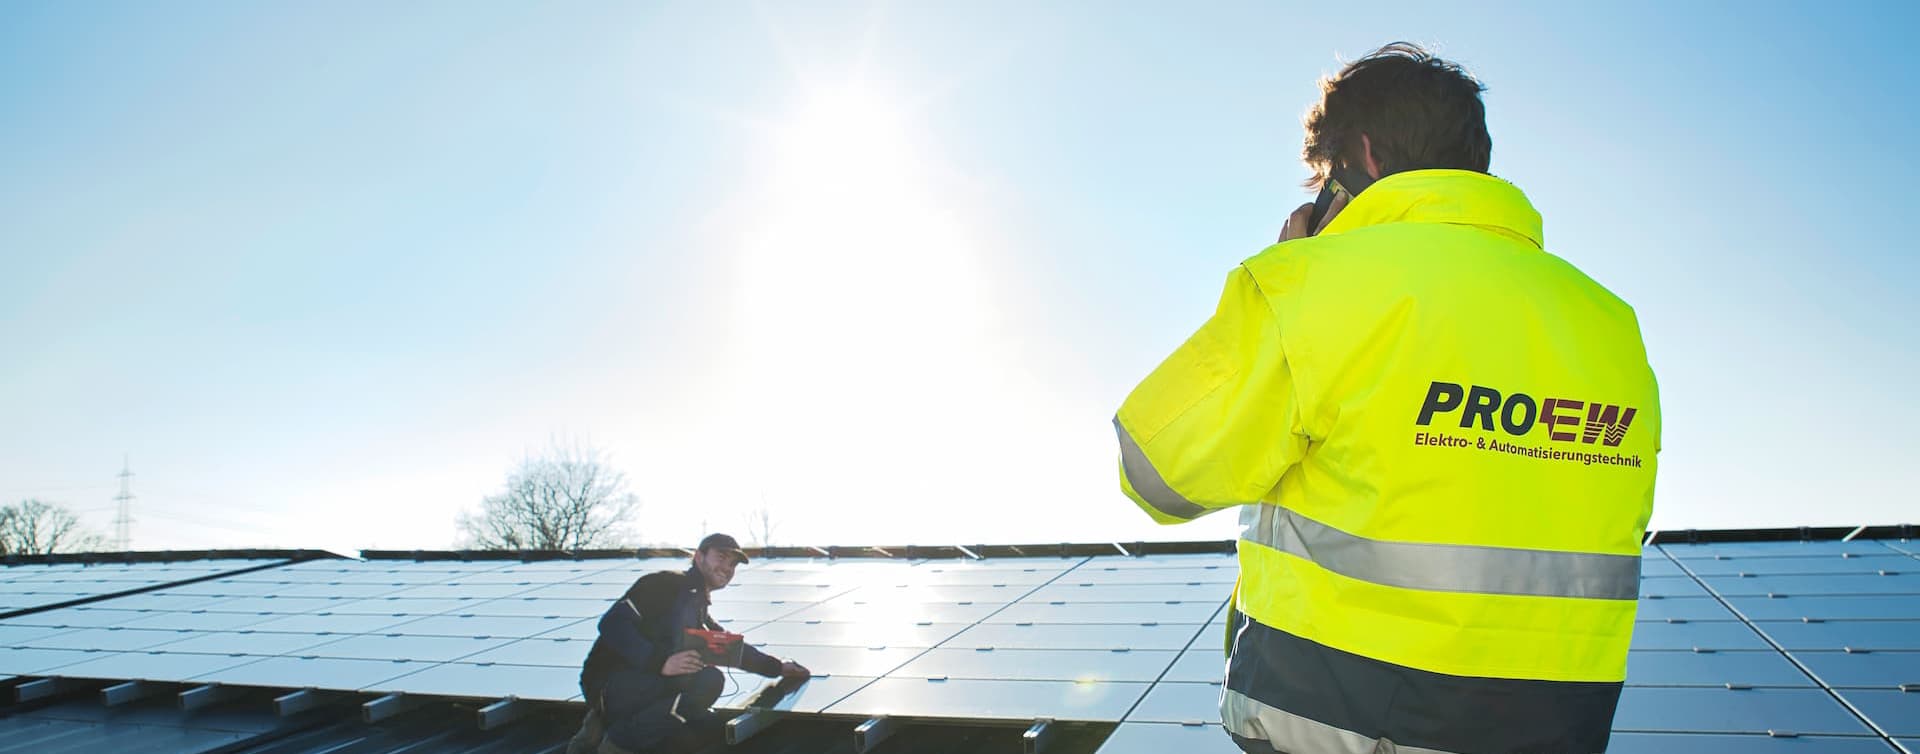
(1372, 165)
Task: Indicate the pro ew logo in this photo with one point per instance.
(1516, 414)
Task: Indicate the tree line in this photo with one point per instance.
(37, 527)
(570, 497)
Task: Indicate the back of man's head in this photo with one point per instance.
(1419, 112)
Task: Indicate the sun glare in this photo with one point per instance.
(862, 288)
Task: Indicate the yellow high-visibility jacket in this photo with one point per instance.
(1445, 440)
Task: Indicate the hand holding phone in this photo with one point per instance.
(1309, 219)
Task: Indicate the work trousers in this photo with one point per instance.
(676, 715)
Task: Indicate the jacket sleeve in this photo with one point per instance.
(1217, 423)
(623, 627)
(753, 660)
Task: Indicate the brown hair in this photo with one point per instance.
(1418, 111)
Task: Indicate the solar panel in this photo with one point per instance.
(163, 601)
(1197, 560)
(313, 623)
(242, 642)
(1647, 667)
(310, 672)
(1655, 587)
(588, 629)
(975, 593)
(1897, 712)
(200, 620)
(977, 576)
(541, 606)
(1072, 591)
(768, 592)
(1853, 634)
(871, 662)
(154, 664)
(584, 590)
(1172, 702)
(487, 682)
(464, 591)
(819, 694)
(1859, 564)
(35, 661)
(732, 613)
(1879, 670)
(918, 634)
(1019, 700)
(1112, 575)
(106, 639)
(226, 588)
(11, 635)
(1818, 548)
(1891, 582)
(469, 624)
(1683, 608)
(1158, 738)
(1788, 607)
(1659, 566)
(1702, 635)
(1076, 636)
(847, 610)
(1667, 743)
(1205, 662)
(1107, 612)
(558, 652)
(1035, 664)
(401, 606)
(400, 647)
(1756, 710)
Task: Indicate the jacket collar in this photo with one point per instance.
(699, 583)
(1442, 196)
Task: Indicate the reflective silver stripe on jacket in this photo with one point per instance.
(1146, 480)
(1246, 717)
(1445, 568)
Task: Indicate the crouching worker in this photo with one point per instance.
(644, 696)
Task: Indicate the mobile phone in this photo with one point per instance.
(1321, 204)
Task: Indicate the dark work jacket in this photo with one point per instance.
(641, 630)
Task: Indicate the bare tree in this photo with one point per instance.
(569, 499)
(760, 526)
(37, 527)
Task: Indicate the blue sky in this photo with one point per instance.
(326, 271)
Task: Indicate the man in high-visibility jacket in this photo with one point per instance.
(1443, 437)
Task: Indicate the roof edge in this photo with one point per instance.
(164, 556)
(1083, 549)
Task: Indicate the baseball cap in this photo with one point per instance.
(723, 542)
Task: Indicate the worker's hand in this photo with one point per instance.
(1296, 226)
(791, 670)
(682, 663)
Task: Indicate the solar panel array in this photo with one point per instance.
(35, 586)
(420, 627)
(1815, 642)
(1750, 647)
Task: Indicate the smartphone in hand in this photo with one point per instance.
(1321, 204)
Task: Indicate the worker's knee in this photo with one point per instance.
(704, 687)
